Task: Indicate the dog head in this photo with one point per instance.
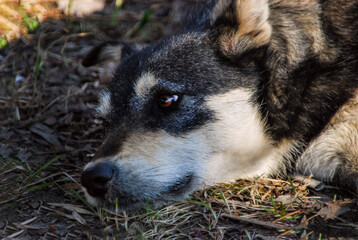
(185, 112)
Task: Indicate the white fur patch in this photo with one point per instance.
(144, 84)
(91, 200)
(104, 106)
(88, 165)
(242, 148)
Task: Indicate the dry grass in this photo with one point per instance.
(17, 19)
(48, 132)
(246, 209)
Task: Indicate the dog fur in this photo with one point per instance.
(258, 89)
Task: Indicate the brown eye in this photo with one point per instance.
(166, 101)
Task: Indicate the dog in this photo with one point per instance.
(251, 88)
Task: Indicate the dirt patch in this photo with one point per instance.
(48, 132)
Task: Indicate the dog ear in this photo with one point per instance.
(114, 51)
(242, 24)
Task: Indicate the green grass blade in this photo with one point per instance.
(37, 187)
(41, 168)
(207, 206)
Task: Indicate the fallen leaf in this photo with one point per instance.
(46, 133)
(332, 210)
(79, 218)
(285, 199)
(71, 207)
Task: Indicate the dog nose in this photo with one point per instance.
(95, 178)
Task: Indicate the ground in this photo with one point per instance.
(48, 132)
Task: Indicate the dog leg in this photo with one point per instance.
(333, 156)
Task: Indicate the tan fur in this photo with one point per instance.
(114, 53)
(252, 31)
(142, 148)
(337, 143)
(252, 17)
(144, 84)
(104, 106)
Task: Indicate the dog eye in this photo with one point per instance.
(166, 101)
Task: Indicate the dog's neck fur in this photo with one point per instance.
(299, 47)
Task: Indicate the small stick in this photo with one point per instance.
(256, 222)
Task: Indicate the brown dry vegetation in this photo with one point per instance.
(48, 132)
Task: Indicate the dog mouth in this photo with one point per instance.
(177, 188)
(181, 184)
(135, 201)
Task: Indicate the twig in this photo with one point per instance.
(16, 234)
(256, 222)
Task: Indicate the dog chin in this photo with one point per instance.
(134, 206)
